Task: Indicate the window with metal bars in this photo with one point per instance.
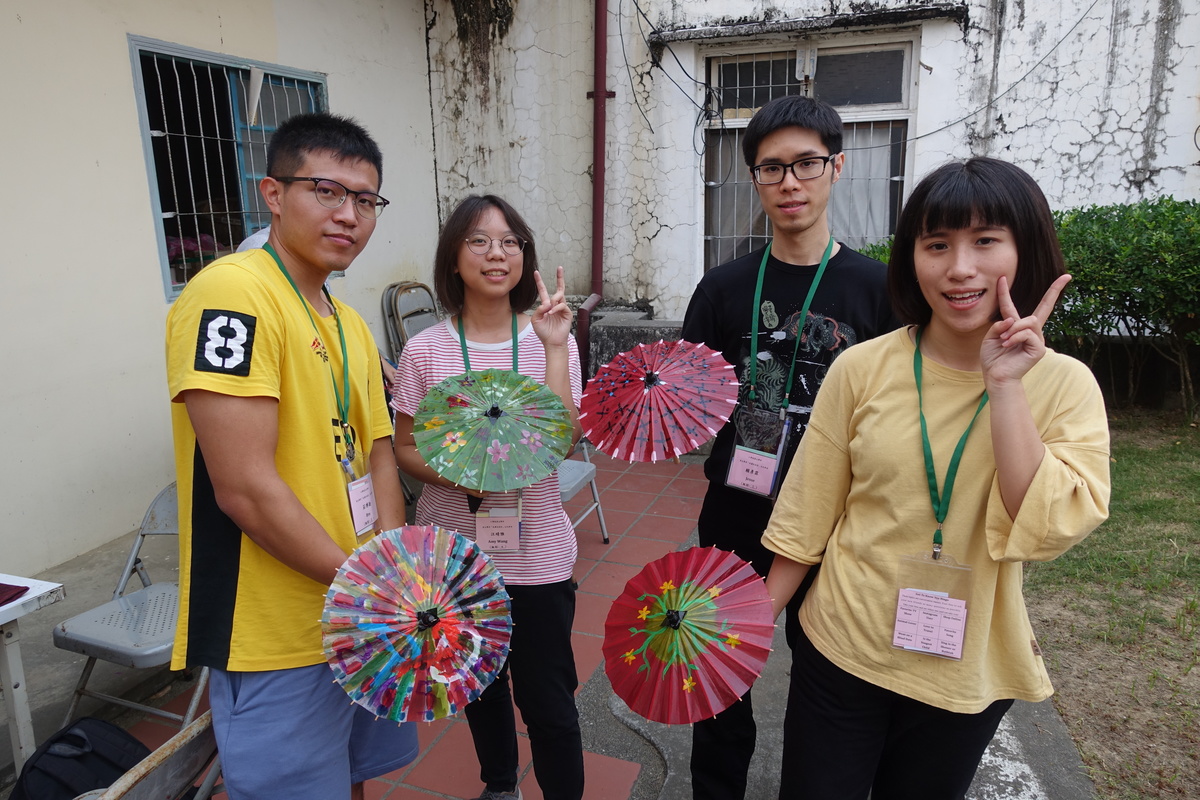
(206, 120)
(869, 87)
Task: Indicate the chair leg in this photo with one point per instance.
(79, 687)
(206, 788)
(197, 696)
(599, 509)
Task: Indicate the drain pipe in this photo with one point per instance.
(599, 95)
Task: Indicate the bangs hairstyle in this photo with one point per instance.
(448, 284)
(964, 194)
(302, 134)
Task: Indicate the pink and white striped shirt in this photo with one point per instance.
(548, 547)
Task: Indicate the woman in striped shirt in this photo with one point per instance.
(485, 276)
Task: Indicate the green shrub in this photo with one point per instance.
(1136, 271)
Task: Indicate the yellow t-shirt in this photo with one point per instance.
(857, 500)
(239, 329)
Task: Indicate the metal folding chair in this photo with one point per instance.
(408, 309)
(135, 629)
(170, 771)
(572, 475)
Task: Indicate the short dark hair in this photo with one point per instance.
(793, 111)
(978, 191)
(302, 134)
(448, 284)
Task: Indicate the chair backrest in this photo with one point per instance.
(163, 515)
(171, 770)
(162, 519)
(408, 309)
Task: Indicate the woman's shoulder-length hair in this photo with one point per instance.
(448, 285)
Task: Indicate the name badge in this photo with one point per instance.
(753, 470)
(930, 622)
(498, 530)
(363, 511)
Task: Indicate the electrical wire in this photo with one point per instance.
(993, 101)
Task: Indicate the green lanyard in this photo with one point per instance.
(462, 340)
(812, 290)
(941, 504)
(342, 398)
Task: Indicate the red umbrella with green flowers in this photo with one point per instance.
(688, 636)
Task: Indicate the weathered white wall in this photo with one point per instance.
(1109, 115)
(512, 117)
(84, 406)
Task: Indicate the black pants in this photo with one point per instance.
(542, 666)
(722, 746)
(845, 738)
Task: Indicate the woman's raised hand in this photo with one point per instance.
(1015, 343)
(552, 318)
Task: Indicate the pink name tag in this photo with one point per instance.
(498, 530)
(752, 470)
(362, 504)
(929, 622)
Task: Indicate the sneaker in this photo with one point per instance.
(492, 794)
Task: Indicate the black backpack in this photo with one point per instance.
(87, 754)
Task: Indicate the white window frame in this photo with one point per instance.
(315, 86)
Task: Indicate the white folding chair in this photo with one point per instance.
(135, 629)
(170, 771)
(572, 475)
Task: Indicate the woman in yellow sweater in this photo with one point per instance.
(937, 459)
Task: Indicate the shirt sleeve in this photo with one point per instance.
(224, 335)
(576, 372)
(1069, 495)
(700, 321)
(813, 496)
(411, 383)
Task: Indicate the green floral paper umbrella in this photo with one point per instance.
(492, 431)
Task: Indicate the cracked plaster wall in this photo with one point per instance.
(1110, 115)
(511, 117)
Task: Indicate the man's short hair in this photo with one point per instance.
(793, 111)
(962, 194)
(302, 134)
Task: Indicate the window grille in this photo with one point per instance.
(868, 87)
(206, 121)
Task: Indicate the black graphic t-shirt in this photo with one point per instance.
(850, 306)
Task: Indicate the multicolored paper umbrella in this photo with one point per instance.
(492, 431)
(688, 636)
(416, 623)
(658, 401)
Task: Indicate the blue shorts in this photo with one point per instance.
(293, 734)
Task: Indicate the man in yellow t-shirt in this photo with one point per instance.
(281, 440)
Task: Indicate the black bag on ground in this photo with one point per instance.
(87, 754)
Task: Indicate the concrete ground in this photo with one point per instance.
(650, 509)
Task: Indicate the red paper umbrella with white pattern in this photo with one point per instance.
(658, 401)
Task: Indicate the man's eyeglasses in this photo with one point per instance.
(332, 194)
(804, 169)
(480, 245)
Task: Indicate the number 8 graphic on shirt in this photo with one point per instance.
(225, 342)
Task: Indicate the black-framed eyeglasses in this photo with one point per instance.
(804, 169)
(332, 194)
(480, 245)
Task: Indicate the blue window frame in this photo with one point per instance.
(206, 119)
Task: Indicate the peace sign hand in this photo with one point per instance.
(1014, 344)
(552, 318)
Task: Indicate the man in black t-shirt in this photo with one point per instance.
(793, 147)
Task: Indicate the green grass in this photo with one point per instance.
(1142, 566)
